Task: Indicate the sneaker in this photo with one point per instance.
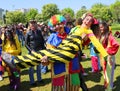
(85, 74)
(1, 78)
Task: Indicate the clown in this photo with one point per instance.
(57, 22)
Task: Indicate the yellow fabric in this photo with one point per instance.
(93, 39)
(12, 49)
(49, 46)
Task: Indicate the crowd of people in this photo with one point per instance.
(62, 42)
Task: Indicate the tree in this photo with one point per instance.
(49, 10)
(115, 9)
(31, 14)
(68, 11)
(1, 22)
(101, 12)
(39, 17)
(14, 17)
(81, 12)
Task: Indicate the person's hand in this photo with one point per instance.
(44, 60)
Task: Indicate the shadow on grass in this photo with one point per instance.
(45, 82)
(87, 59)
(4, 88)
(117, 84)
(26, 71)
(25, 85)
(117, 65)
(95, 77)
(98, 87)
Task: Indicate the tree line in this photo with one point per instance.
(109, 13)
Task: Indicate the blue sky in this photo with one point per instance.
(73, 4)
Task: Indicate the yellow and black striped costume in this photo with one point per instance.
(64, 53)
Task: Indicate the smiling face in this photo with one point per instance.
(87, 21)
(101, 28)
(59, 28)
(104, 28)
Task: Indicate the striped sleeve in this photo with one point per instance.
(64, 53)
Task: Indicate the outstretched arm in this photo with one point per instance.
(64, 53)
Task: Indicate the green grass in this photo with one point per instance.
(93, 81)
(115, 26)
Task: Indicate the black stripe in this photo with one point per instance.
(60, 55)
(50, 58)
(30, 64)
(18, 59)
(20, 65)
(34, 56)
(32, 60)
(76, 36)
(71, 51)
(42, 54)
(70, 38)
(74, 42)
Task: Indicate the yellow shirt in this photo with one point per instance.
(12, 49)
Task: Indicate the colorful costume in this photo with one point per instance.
(108, 69)
(95, 60)
(58, 68)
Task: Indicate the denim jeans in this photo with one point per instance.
(44, 69)
(31, 74)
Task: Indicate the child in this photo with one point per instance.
(93, 51)
(94, 59)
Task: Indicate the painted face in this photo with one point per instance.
(88, 21)
(59, 27)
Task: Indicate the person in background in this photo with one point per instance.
(45, 33)
(34, 41)
(20, 33)
(111, 46)
(12, 46)
(95, 59)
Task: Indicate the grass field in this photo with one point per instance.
(93, 81)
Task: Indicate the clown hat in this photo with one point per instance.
(55, 19)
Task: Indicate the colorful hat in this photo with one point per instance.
(55, 20)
